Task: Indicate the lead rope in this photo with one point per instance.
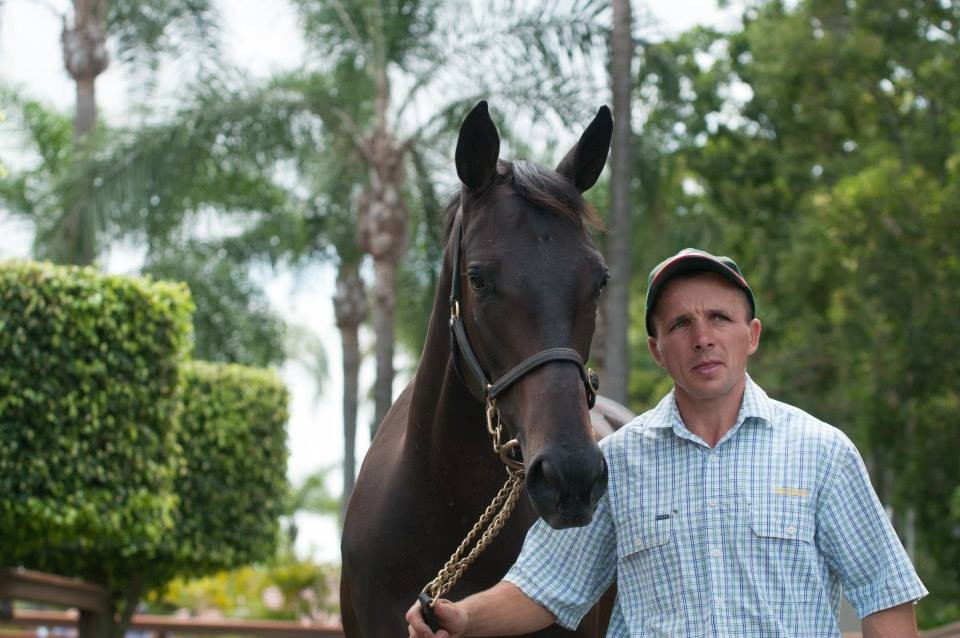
(487, 526)
(504, 501)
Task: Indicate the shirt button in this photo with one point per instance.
(712, 502)
(714, 458)
(715, 552)
(791, 530)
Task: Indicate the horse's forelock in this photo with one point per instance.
(551, 191)
(543, 188)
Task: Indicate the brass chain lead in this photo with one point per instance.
(492, 519)
(495, 516)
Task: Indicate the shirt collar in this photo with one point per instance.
(756, 407)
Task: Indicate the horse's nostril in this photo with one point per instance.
(550, 477)
(565, 490)
(544, 484)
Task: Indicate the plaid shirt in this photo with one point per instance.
(754, 537)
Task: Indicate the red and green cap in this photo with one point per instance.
(690, 260)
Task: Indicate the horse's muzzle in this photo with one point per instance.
(564, 488)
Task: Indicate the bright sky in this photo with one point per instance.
(262, 37)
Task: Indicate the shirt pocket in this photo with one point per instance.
(782, 520)
(782, 551)
(648, 564)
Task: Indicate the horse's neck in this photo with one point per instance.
(444, 418)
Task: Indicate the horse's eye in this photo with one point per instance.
(603, 282)
(476, 281)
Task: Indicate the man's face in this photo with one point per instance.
(704, 335)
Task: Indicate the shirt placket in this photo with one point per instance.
(716, 548)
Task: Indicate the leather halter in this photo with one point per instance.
(461, 344)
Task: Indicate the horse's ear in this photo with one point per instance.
(478, 148)
(584, 162)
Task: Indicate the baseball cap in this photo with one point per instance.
(692, 260)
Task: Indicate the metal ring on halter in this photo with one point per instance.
(454, 312)
(504, 452)
(493, 414)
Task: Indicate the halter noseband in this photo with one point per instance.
(493, 390)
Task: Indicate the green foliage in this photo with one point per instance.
(233, 321)
(830, 170)
(121, 462)
(90, 370)
(29, 191)
(144, 31)
(233, 486)
(284, 589)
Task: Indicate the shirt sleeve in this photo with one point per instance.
(567, 571)
(858, 541)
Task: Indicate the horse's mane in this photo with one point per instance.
(541, 187)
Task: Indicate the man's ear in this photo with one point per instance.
(755, 329)
(654, 349)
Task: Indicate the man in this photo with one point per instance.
(727, 513)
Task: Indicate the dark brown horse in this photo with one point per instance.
(520, 283)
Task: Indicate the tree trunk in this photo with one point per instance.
(85, 57)
(385, 293)
(350, 309)
(617, 305)
(382, 233)
(85, 117)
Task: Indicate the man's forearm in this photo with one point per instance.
(895, 622)
(504, 610)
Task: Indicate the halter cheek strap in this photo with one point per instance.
(461, 346)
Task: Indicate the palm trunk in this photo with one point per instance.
(350, 309)
(382, 231)
(351, 372)
(383, 312)
(85, 117)
(85, 58)
(616, 318)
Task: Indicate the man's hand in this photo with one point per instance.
(452, 618)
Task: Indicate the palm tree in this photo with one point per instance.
(141, 32)
(422, 56)
(352, 141)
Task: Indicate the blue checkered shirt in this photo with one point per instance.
(754, 537)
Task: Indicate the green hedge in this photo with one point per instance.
(234, 484)
(89, 390)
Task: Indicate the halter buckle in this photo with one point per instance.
(454, 312)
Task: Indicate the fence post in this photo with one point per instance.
(91, 600)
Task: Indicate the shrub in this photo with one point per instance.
(233, 485)
(90, 371)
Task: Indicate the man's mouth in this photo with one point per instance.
(707, 366)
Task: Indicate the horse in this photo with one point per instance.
(513, 319)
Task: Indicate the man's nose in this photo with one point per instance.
(702, 337)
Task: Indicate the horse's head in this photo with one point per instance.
(528, 278)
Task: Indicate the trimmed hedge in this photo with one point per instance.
(233, 487)
(90, 379)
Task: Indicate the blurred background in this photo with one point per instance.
(289, 161)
